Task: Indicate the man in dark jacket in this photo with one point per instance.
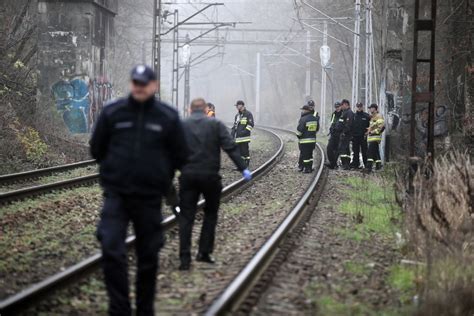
(308, 126)
(359, 137)
(205, 137)
(138, 143)
(242, 129)
(344, 128)
(333, 143)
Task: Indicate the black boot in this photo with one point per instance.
(368, 167)
(345, 163)
(205, 257)
(378, 165)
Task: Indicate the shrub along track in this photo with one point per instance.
(54, 231)
(246, 221)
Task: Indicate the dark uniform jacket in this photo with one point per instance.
(308, 126)
(205, 137)
(138, 146)
(243, 125)
(361, 123)
(334, 119)
(344, 124)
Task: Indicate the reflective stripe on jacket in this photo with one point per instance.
(243, 125)
(308, 126)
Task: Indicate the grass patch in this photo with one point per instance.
(402, 279)
(372, 206)
(356, 268)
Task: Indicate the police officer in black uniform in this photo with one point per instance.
(308, 126)
(334, 135)
(205, 137)
(139, 143)
(359, 136)
(242, 130)
(344, 127)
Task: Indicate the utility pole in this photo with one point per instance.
(257, 89)
(308, 63)
(156, 50)
(355, 64)
(323, 78)
(368, 52)
(175, 76)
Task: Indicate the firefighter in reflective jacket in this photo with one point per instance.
(374, 137)
(308, 126)
(242, 129)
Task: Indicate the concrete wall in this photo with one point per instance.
(75, 49)
(453, 79)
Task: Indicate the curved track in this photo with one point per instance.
(25, 298)
(243, 292)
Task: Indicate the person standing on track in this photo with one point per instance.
(139, 143)
(242, 129)
(374, 138)
(334, 135)
(308, 126)
(359, 137)
(344, 127)
(205, 136)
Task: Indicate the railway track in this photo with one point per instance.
(34, 174)
(21, 178)
(69, 276)
(244, 291)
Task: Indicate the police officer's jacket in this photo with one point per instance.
(205, 137)
(243, 125)
(308, 126)
(344, 124)
(361, 123)
(138, 146)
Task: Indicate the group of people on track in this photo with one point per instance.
(140, 143)
(360, 129)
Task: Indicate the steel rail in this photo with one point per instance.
(45, 188)
(235, 293)
(25, 298)
(14, 177)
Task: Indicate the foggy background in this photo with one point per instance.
(230, 74)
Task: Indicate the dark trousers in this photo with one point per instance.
(332, 149)
(145, 214)
(359, 145)
(190, 188)
(374, 156)
(345, 150)
(305, 160)
(245, 152)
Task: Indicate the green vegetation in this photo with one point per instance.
(356, 268)
(372, 207)
(402, 278)
(34, 147)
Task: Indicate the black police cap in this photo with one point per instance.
(143, 74)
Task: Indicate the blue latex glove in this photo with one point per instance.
(247, 174)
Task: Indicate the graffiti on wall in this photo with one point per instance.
(79, 101)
